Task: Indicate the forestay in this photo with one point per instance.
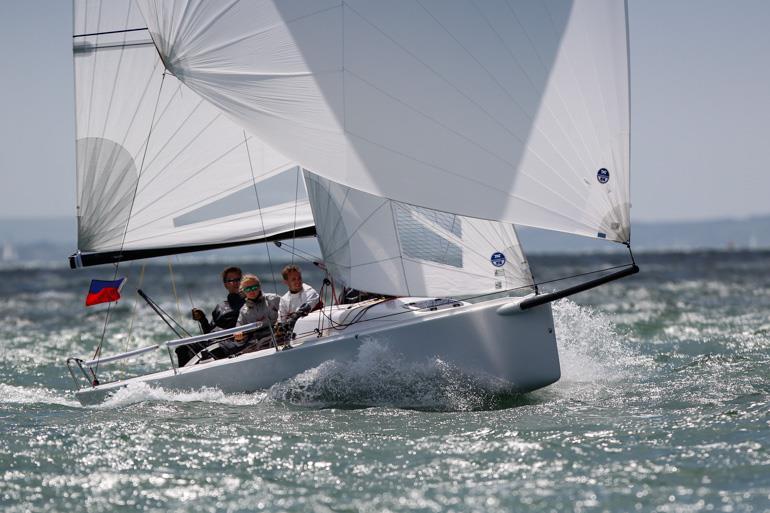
(512, 110)
(157, 165)
(380, 245)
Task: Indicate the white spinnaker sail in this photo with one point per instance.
(376, 244)
(513, 110)
(191, 179)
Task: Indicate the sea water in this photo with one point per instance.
(662, 406)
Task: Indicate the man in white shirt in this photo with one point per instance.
(300, 300)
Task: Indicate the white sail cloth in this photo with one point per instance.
(191, 178)
(375, 244)
(512, 110)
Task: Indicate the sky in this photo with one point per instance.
(700, 101)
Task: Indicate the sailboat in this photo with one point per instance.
(409, 137)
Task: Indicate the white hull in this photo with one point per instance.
(516, 346)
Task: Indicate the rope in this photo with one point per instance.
(133, 316)
(133, 310)
(322, 296)
(173, 287)
(187, 287)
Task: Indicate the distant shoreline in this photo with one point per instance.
(51, 239)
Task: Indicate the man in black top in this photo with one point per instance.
(224, 316)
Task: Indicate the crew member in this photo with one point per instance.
(224, 315)
(260, 308)
(300, 300)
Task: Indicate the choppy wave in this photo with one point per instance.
(10, 394)
(142, 392)
(381, 377)
(590, 347)
(662, 406)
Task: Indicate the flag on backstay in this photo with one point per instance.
(102, 291)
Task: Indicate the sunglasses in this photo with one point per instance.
(234, 280)
(251, 288)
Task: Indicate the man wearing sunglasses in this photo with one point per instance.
(225, 314)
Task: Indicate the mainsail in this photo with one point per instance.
(159, 169)
(507, 110)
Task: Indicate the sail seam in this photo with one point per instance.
(501, 159)
(508, 94)
(555, 118)
(469, 179)
(194, 227)
(361, 225)
(93, 74)
(460, 92)
(181, 151)
(585, 147)
(115, 80)
(588, 110)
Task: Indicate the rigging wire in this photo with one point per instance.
(357, 318)
(631, 253)
(295, 251)
(98, 352)
(259, 207)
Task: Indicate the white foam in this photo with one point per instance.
(590, 348)
(381, 377)
(10, 394)
(142, 392)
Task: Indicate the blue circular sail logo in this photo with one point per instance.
(603, 175)
(497, 259)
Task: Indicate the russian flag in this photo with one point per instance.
(102, 291)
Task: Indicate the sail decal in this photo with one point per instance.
(493, 110)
